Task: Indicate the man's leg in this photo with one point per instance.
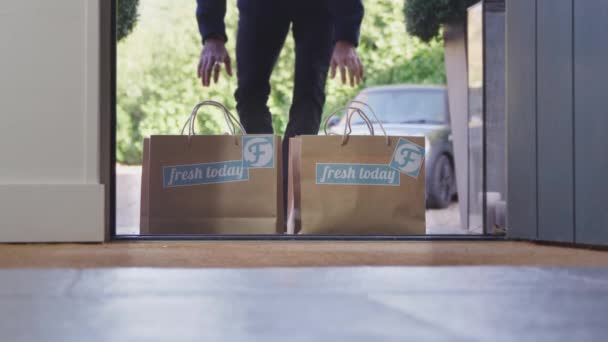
(312, 31)
(261, 35)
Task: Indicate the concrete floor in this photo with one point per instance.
(305, 304)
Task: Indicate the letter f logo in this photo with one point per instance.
(258, 152)
(408, 158)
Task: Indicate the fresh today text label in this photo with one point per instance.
(208, 173)
(356, 174)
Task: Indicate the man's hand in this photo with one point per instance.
(213, 55)
(345, 57)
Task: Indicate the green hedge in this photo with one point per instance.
(425, 17)
(126, 17)
(157, 83)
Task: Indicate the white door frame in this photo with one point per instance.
(50, 182)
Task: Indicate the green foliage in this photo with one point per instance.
(126, 17)
(425, 17)
(157, 83)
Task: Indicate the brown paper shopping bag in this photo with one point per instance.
(356, 185)
(221, 184)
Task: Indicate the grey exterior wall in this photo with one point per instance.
(591, 120)
(495, 118)
(554, 120)
(521, 119)
(557, 120)
(455, 50)
(494, 88)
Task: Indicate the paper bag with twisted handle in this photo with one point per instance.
(222, 184)
(356, 185)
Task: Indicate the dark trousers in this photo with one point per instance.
(261, 35)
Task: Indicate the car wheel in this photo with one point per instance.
(442, 184)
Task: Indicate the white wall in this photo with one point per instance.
(49, 121)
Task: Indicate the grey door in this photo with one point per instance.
(557, 120)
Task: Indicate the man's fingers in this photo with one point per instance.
(352, 73)
(343, 73)
(361, 69)
(353, 70)
(205, 64)
(216, 72)
(333, 69)
(208, 68)
(228, 66)
(201, 75)
(204, 71)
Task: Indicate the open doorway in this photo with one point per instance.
(157, 88)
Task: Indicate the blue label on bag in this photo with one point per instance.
(408, 158)
(208, 173)
(258, 152)
(356, 174)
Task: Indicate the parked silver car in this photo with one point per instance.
(414, 110)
